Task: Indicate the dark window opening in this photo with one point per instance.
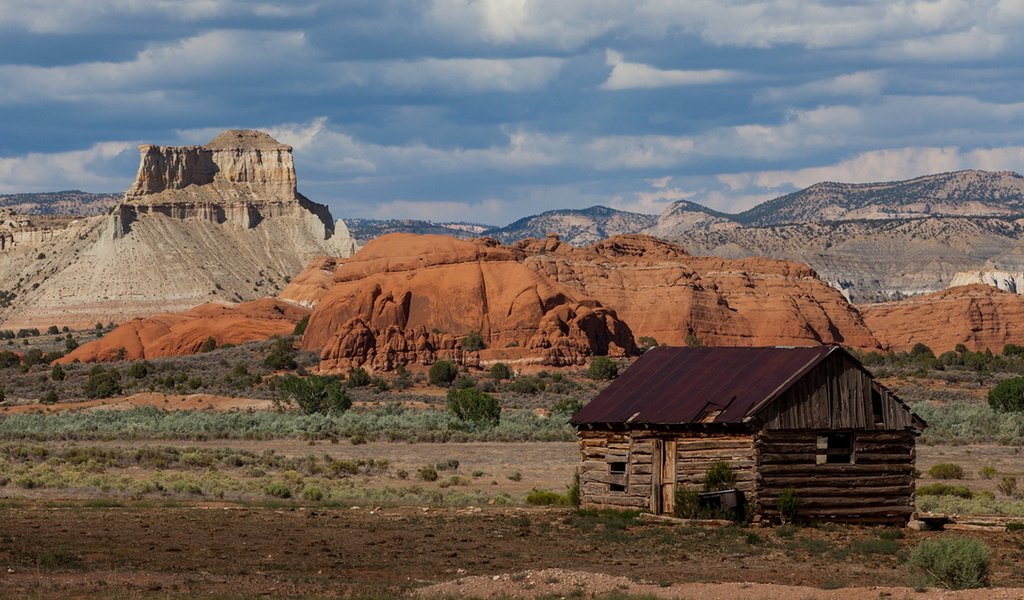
(877, 407)
(616, 487)
(835, 448)
(617, 468)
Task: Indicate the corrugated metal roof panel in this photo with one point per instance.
(672, 386)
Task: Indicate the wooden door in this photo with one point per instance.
(663, 477)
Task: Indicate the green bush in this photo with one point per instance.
(500, 371)
(719, 476)
(788, 504)
(987, 472)
(57, 373)
(687, 503)
(956, 562)
(209, 345)
(300, 327)
(646, 342)
(527, 385)
(427, 473)
(544, 498)
(442, 373)
(102, 383)
(473, 342)
(474, 406)
(278, 489)
(314, 394)
(920, 349)
(945, 489)
(281, 356)
(692, 341)
(1008, 395)
(8, 359)
(50, 397)
(602, 368)
(1007, 486)
(53, 330)
(138, 370)
(572, 496)
(358, 377)
(946, 471)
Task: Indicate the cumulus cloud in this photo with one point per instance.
(90, 169)
(626, 75)
(859, 84)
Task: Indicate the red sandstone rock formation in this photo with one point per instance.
(176, 334)
(411, 299)
(306, 288)
(977, 316)
(665, 293)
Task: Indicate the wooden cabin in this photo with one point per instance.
(810, 419)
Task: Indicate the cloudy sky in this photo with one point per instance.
(489, 110)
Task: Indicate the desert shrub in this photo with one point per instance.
(312, 493)
(462, 382)
(572, 495)
(987, 472)
(300, 327)
(920, 349)
(945, 489)
(474, 406)
(692, 341)
(281, 356)
(8, 359)
(32, 358)
(138, 370)
(57, 373)
(50, 397)
(566, 407)
(956, 562)
(646, 342)
(602, 368)
(719, 476)
(448, 464)
(209, 345)
(314, 394)
(946, 471)
(278, 489)
(544, 498)
(516, 476)
(69, 343)
(1007, 486)
(788, 504)
(473, 342)
(358, 377)
(427, 473)
(1013, 350)
(500, 371)
(1008, 395)
(687, 503)
(527, 385)
(442, 373)
(102, 383)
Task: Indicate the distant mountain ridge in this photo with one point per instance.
(578, 227)
(68, 202)
(364, 230)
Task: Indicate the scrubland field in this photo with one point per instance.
(194, 477)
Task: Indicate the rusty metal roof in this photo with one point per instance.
(673, 386)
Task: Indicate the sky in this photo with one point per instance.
(490, 110)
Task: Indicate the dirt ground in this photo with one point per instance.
(82, 551)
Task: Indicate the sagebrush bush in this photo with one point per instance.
(956, 562)
(945, 489)
(358, 377)
(500, 371)
(1008, 395)
(987, 472)
(946, 471)
(314, 394)
(545, 498)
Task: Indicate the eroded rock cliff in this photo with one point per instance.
(977, 316)
(178, 334)
(411, 299)
(215, 223)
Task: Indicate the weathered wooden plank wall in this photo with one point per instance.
(878, 486)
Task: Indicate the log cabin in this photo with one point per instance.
(813, 420)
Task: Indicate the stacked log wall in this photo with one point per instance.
(876, 487)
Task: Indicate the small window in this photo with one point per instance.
(835, 448)
(617, 467)
(877, 406)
